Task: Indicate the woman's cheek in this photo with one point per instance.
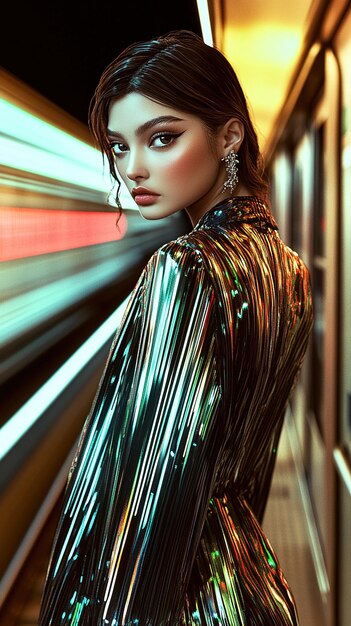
(183, 166)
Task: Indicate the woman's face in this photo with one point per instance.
(164, 157)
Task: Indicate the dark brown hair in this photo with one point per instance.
(179, 70)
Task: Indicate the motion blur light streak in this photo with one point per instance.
(29, 232)
(22, 125)
(29, 144)
(30, 158)
(18, 314)
(17, 426)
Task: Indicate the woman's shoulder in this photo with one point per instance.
(181, 257)
(185, 249)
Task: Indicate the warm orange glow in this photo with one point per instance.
(269, 51)
(263, 40)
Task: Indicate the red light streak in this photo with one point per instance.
(30, 232)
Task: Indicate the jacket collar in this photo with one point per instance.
(249, 209)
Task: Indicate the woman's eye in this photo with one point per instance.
(164, 139)
(119, 148)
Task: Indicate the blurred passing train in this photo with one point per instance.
(66, 270)
(309, 160)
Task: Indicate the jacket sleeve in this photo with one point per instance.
(142, 478)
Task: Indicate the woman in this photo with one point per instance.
(162, 511)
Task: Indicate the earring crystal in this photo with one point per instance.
(231, 162)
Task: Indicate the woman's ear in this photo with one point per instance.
(231, 136)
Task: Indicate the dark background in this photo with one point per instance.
(61, 48)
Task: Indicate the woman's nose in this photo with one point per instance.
(136, 169)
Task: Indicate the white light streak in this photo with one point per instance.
(30, 144)
(202, 7)
(17, 426)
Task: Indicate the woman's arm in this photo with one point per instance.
(141, 482)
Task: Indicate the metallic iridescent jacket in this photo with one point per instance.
(162, 511)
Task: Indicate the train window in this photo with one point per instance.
(281, 181)
(343, 44)
(296, 213)
(318, 273)
(317, 352)
(319, 196)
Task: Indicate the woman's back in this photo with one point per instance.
(176, 458)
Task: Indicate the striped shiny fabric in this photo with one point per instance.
(167, 490)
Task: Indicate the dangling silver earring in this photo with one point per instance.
(231, 162)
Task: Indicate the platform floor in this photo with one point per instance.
(284, 524)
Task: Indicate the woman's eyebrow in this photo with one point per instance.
(149, 124)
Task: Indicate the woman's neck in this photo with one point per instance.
(197, 211)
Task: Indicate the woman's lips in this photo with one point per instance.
(144, 197)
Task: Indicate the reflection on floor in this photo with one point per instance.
(285, 526)
(22, 606)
